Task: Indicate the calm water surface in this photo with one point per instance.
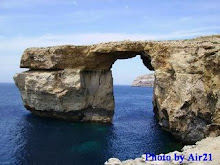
(26, 139)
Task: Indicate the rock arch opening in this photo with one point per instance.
(125, 71)
(131, 102)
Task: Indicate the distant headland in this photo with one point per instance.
(144, 81)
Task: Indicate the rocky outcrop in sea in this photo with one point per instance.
(144, 81)
(75, 82)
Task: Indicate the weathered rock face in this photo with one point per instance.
(144, 81)
(75, 82)
(68, 94)
(187, 90)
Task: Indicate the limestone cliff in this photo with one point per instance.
(75, 82)
(144, 81)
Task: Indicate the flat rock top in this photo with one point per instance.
(103, 55)
(181, 42)
(132, 45)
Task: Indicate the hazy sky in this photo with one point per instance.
(31, 23)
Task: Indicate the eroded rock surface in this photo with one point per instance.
(144, 81)
(75, 82)
(68, 94)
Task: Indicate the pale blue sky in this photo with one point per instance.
(30, 23)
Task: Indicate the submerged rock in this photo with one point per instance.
(75, 82)
(144, 81)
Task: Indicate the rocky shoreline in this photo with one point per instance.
(208, 149)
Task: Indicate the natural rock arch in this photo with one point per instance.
(75, 82)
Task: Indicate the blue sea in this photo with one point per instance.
(26, 139)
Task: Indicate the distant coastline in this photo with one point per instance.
(144, 81)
